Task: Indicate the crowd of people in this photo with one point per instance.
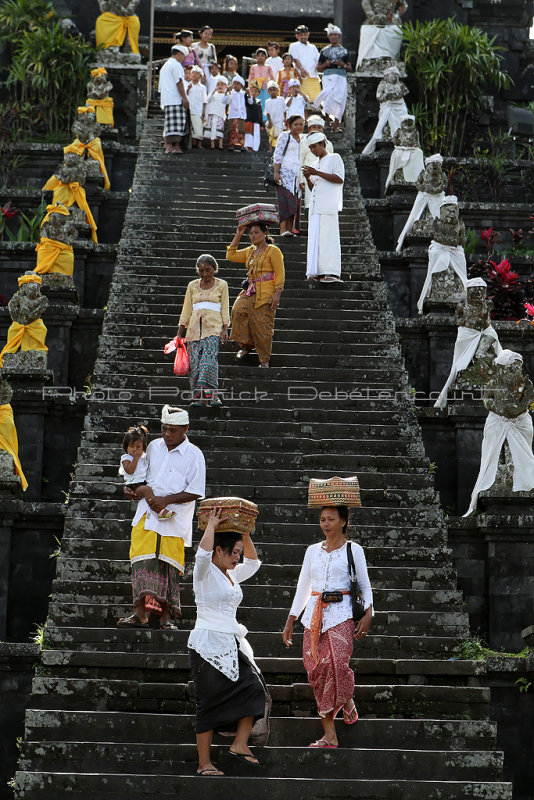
(166, 478)
(224, 107)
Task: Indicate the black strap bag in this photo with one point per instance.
(358, 609)
(268, 178)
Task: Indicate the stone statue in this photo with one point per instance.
(390, 94)
(55, 255)
(380, 42)
(407, 160)
(98, 90)
(73, 169)
(27, 332)
(117, 19)
(119, 7)
(12, 477)
(59, 228)
(87, 143)
(430, 185)
(67, 185)
(85, 127)
(28, 304)
(507, 396)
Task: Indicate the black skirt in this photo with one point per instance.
(220, 702)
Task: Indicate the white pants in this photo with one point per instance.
(197, 128)
(333, 96)
(252, 140)
(324, 246)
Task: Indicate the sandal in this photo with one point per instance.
(323, 745)
(264, 365)
(242, 353)
(210, 772)
(216, 402)
(348, 714)
(246, 757)
(168, 626)
(133, 621)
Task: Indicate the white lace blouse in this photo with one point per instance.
(217, 600)
(322, 571)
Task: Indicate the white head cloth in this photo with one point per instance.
(198, 69)
(315, 119)
(239, 79)
(315, 138)
(392, 71)
(476, 282)
(507, 357)
(171, 415)
(330, 28)
(180, 48)
(450, 200)
(435, 159)
(272, 84)
(222, 79)
(293, 82)
(408, 116)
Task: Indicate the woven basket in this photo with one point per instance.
(258, 212)
(242, 514)
(334, 492)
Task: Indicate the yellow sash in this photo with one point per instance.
(103, 108)
(68, 194)
(53, 256)
(111, 30)
(9, 441)
(25, 337)
(94, 151)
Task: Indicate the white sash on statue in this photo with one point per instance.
(440, 258)
(391, 111)
(422, 201)
(410, 159)
(379, 41)
(518, 433)
(465, 348)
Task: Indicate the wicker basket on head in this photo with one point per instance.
(241, 514)
(334, 492)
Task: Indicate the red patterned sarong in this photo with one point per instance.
(331, 679)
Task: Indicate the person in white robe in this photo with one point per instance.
(334, 63)
(325, 180)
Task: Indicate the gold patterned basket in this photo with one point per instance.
(334, 492)
(241, 514)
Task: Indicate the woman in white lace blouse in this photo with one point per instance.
(329, 627)
(229, 691)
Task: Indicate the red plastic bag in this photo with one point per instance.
(181, 360)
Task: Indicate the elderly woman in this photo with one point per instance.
(229, 690)
(286, 162)
(254, 310)
(328, 623)
(204, 324)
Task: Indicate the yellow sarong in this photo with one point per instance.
(68, 194)
(25, 337)
(311, 87)
(144, 546)
(53, 256)
(9, 440)
(111, 30)
(103, 108)
(94, 151)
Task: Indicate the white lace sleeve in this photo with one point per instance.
(247, 569)
(362, 574)
(202, 564)
(304, 586)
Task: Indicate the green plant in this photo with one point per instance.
(523, 684)
(471, 241)
(57, 552)
(476, 649)
(451, 66)
(29, 227)
(39, 637)
(432, 467)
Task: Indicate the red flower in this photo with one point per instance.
(8, 212)
(486, 235)
(530, 309)
(503, 272)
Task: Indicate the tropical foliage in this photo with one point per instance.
(450, 67)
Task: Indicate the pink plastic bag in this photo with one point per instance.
(181, 360)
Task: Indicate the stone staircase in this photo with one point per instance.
(111, 712)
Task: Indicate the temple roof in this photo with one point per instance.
(276, 8)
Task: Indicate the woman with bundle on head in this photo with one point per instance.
(229, 690)
(286, 161)
(204, 325)
(324, 594)
(254, 310)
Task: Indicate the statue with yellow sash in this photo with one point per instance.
(98, 90)
(11, 474)
(87, 143)
(67, 185)
(116, 20)
(54, 251)
(27, 331)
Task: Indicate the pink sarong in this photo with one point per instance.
(331, 678)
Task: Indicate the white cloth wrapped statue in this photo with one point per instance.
(390, 94)
(476, 338)
(407, 160)
(507, 397)
(445, 254)
(430, 185)
(380, 34)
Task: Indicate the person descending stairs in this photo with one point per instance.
(111, 711)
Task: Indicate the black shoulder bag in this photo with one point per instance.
(358, 609)
(268, 178)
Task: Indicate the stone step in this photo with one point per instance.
(319, 341)
(277, 762)
(287, 323)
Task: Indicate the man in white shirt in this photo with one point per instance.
(306, 57)
(174, 100)
(325, 179)
(176, 478)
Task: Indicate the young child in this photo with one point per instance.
(288, 73)
(237, 114)
(198, 98)
(216, 112)
(187, 75)
(275, 109)
(213, 75)
(254, 118)
(134, 465)
(296, 100)
(274, 61)
(262, 74)
(230, 68)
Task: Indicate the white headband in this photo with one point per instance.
(170, 415)
(272, 85)
(315, 138)
(198, 69)
(315, 120)
(294, 82)
(450, 200)
(435, 159)
(239, 79)
(330, 28)
(476, 282)
(180, 48)
(506, 357)
(222, 79)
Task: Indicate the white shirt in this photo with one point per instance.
(170, 74)
(275, 63)
(237, 108)
(297, 107)
(327, 197)
(322, 571)
(139, 474)
(182, 469)
(211, 83)
(217, 600)
(275, 107)
(217, 103)
(308, 55)
(197, 96)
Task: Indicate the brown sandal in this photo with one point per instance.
(132, 621)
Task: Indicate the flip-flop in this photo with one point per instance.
(347, 715)
(245, 757)
(132, 621)
(210, 773)
(322, 744)
(168, 626)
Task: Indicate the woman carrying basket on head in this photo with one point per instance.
(323, 593)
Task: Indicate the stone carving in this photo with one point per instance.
(98, 90)
(28, 304)
(117, 31)
(407, 160)
(27, 331)
(6, 392)
(430, 186)
(85, 127)
(507, 396)
(55, 256)
(380, 42)
(67, 185)
(383, 12)
(87, 143)
(11, 475)
(59, 228)
(390, 94)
